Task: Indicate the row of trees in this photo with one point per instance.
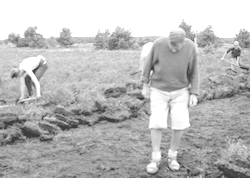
(35, 40)
(121, 38)
(208, 38)
(204, 38)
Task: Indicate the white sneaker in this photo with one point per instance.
(153, 166)
(173, 165)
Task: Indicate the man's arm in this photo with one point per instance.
(148, 66)
(146, 71)
(22, 87)
(224, 55)
(35, 81)
(193, 73)
(230, 49)
(239, 57)
(194, 80)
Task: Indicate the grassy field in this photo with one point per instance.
(75, 75)
(76, 78)
(86, 72)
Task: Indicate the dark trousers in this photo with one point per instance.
(39, 71)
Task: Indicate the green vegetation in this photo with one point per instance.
(65, 38)
(81, 74)
(236, 151)
(119, 39)
(77, 77)
(189, 33)
(33, 39)
(244, 38)
(208, 38)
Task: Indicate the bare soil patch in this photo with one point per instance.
(122, 149)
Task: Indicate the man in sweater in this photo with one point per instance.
(30, 71)
(174, 86)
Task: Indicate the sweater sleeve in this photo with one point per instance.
(193, 74)
(148, 66)
(230, 49)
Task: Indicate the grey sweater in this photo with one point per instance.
(172, 71)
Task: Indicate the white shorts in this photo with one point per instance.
(175, 103)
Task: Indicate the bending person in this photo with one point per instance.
(235, 55)
(30, 71)
(144, 53)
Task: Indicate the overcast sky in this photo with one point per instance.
(142, 17)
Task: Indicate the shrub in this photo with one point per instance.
(212, 47)
(236, 151)
(187, 28)
(207, 37)
(51, 42)
(32, 39)
(244, 38)
(119, 39)
(62, 96)
(22, 42)
(101, 39)
(65, 38)
(208, 49)
(122, 44)
(13, 38)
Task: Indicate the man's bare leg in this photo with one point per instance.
(176, 139)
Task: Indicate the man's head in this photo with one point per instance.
(176, 39)
(14, 72)
(236, 44)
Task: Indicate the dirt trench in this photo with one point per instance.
(117, 144)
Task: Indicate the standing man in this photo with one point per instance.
(174, 86)
(235, 55)
(30, 72)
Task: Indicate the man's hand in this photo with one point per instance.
(35, 97)
(28, 99)
(146, 90)
(20, 99)
(193, 100)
